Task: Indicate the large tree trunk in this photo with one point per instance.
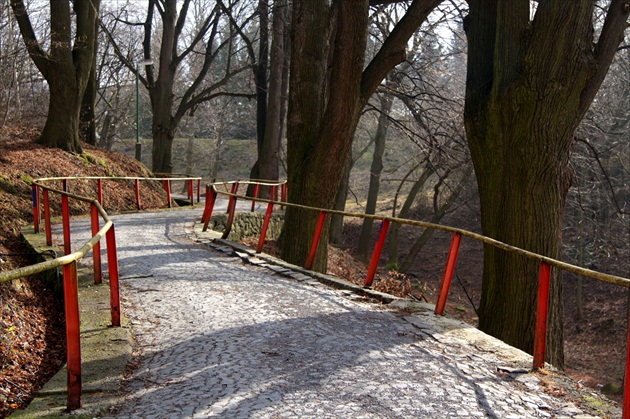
(375, 176)
(163, 136)
(528, 86)
(323, 113)
(522, 193)
(62, 123)
(328, 90)
(87, 127)
(260, 80)
(88, 118)
(269, 151)
(66, 67)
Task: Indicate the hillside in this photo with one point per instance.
(31, 320)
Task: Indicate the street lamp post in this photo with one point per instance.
(138, 145)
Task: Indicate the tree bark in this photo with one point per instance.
(87, 126)
(323, 111)
(260, 81)
(328, 89)
(61, 129)
(528, 86)
(269, 152)
(163, 136)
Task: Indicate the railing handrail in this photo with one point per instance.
(115, 178)
(40, 267)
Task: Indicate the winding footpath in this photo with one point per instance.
(220, 338)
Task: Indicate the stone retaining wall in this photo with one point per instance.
(248, 224)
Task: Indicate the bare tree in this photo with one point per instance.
(212, 38)
(66, 66)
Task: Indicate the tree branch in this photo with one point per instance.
(38, 55)
(607, 44)
(604, 172)
(392, 52)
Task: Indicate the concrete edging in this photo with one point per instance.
(105, 351)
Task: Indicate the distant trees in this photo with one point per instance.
(596, 223)
(533, 71)
(22, 91)
(425, 106)
(195, 62)
(66, 65)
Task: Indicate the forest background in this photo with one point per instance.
(202, 88)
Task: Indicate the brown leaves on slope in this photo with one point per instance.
(32, 346)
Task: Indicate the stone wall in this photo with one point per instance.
(248, 224)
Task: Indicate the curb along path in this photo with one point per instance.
(218, 338)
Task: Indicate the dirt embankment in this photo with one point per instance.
(31, 320)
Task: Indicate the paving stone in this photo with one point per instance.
(228, 340)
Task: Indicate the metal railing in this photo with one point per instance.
(277, 190)
(68, 262)
(546, 263)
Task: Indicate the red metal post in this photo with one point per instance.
(47, 217)
(318, 234)
(65, 221)
(167, 189)
(99, 191)
(73, 331)
(540, 336)
(211, 197)
(96, 250)
(112, 263)
(273, 193)
(198, 190)
(191, 194)
(35, 194)
(263, 232)
(445, 286)
(233, 190)
(376, 255)
(137, 183)
(231, 210)
(66, 187)
(256, 192)
(40, 212)
(626, 387)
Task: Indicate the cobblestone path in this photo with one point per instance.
(218, 338)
